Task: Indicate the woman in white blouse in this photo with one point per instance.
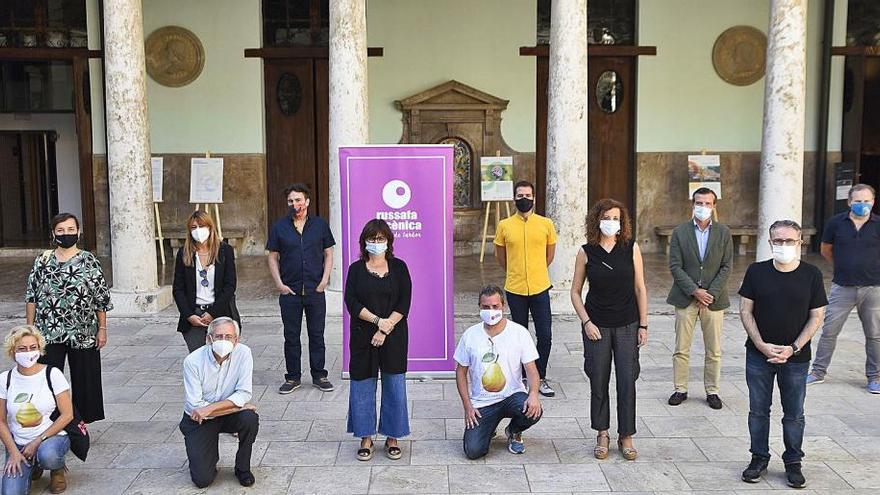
(204, 280)
(33, 440)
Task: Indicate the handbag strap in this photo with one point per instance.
(8, 381)
(49, 382)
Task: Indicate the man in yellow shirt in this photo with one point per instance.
(525, 244)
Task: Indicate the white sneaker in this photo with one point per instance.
(545, 389)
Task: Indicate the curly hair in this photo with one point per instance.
(594, 216)
(18, 333)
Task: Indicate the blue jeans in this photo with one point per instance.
(50, 456)
(791, 378)
(393, 417)
(478, 438)
(539, 306)
(314, 304)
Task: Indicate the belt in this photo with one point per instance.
(204, 307)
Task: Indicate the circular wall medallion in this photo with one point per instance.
(175, 56)
(739, 55)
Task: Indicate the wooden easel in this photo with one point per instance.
(486, 234)
(159, 236)
(216, 210)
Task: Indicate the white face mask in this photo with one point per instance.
(785, 254)
(27, 359)
(377, 248)
(222, 348)
(702, 213)
(609, 227)
(200, 234)
(491, 316)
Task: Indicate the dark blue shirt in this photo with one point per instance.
(856, 252)
(301, 256)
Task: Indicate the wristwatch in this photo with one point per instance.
(43, 438)
(795, 348)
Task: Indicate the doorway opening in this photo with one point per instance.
(29, 187)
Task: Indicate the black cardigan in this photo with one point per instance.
(184, 287)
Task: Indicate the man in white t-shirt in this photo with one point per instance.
(492, 354)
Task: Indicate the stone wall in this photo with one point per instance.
(244, 194)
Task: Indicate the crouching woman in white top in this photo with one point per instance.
(33, 441)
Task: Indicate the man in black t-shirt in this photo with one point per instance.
(782, 304)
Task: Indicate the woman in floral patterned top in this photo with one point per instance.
(68, 299)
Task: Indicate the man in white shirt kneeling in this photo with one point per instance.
(492, 354)
(218, 385)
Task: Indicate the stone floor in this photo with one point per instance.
(302, 446)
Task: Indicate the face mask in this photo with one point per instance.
(609, 227)
(200, 234)
(491, 316)
(702, 213)
(66, 240)
(861, 209)
(785, 254)
(377, 248)
(27, 359)
(524, 204)
(222, 348)
(294, 211)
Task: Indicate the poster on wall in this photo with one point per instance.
(156, 164)
(704, 171)
(496, 178)
(206, 180)
(411, 188)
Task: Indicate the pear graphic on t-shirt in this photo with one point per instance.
(27, 416)
(493, 378)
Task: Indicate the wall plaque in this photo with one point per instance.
(175, 56)
(739, 55)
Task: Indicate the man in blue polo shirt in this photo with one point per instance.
(300, 259)
(851, 241)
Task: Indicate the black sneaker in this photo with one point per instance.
(795, 476)
(288, 386)
(246, 478)
(713, 400)
(323, 384)
(756, 469)
(677, 398)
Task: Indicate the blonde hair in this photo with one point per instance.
(18, 333)
(201, 219)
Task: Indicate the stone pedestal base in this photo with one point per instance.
(140, 303)
(560, 302)
(334, 302)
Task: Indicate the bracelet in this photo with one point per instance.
(643, 326)
(584, 323)
(384, 333)
(102, 328)
(376, 320)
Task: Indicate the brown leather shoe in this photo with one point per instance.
(57, 482)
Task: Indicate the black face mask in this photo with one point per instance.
(66, 240)
(524, 204)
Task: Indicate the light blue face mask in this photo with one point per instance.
(861, 209)
(377, 248)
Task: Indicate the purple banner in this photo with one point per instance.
(410, 187)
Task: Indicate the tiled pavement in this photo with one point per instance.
(303, 447)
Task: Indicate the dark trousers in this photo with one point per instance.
(621, 345)
(292, 307)
(792, 381)
(202, 443)
(195, 337)
(539, 306)
(478, 438)
(85, 378)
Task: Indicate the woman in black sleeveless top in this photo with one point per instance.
(614, 319)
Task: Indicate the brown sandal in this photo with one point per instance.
(629, 453)
(601, 451)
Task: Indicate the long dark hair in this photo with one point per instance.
(373, 228)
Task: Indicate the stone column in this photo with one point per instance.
(567, 138)
(781, 188)
(135, 285)
(348, 108)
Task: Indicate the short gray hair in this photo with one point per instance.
(785, 223)
(861, 187)
(223, 320)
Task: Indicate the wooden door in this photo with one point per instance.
(611, 136)
(29, 187)
(297, 129)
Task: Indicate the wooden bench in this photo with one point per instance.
(176, 236)
(741, 236)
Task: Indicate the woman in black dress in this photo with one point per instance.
(204, 280)
(378, 290)
(614, 319)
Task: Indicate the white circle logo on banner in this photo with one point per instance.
(396, 194)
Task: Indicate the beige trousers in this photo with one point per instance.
(685, 322)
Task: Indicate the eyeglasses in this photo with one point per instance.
(785, 242)
(377, 239)
(204, 274)
(229, 336)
